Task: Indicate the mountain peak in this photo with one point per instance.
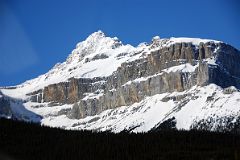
(97, 42)
(156, 38)
(96, 35)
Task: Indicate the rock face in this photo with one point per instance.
(68, 92)
(176, 67)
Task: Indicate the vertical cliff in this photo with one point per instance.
(176, 67)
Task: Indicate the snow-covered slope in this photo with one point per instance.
(101, 56)
(188, 109)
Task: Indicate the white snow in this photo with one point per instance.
(156, 38)
(183, 68)
(211, 61)
(194, 41)
(151, 111)
(45, 110)
(138, 80)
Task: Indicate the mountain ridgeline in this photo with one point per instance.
(105, 80)
(118, 92)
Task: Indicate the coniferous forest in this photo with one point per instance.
(25, 141)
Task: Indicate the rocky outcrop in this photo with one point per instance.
(230, 90)
(5, 109)
(68, 92)
(151, 74)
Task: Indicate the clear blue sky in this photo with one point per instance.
(36, 34)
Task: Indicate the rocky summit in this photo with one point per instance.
(105, 85)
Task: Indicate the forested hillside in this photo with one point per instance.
(24, 141)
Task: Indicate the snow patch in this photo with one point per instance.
(194, 41)
(181, 68)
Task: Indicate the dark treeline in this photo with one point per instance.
(24, 141)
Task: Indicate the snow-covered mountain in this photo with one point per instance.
(181, 83)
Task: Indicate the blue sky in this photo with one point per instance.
(35, 35)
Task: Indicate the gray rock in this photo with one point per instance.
(120, 89)
(230, 90)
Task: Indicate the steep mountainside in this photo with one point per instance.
(181, 83)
